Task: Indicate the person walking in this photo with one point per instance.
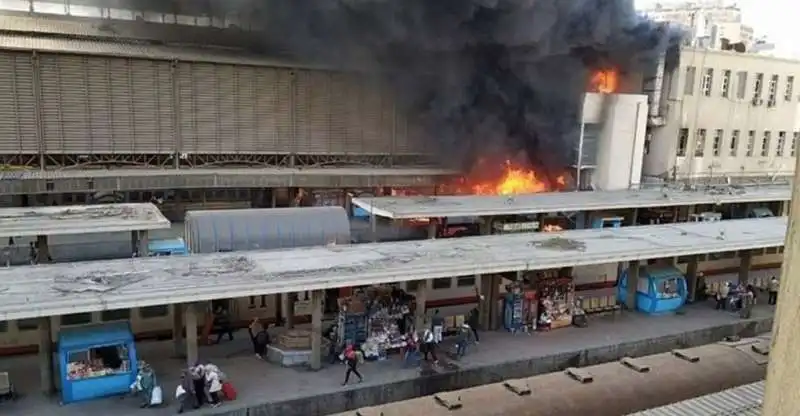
(223, 323)
(351, 357)
(429, 346)
(773, 286)
(722, 295)
(474, 320)
(259, 337)
(437, 324)
(748, 300)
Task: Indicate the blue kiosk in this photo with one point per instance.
(96, 361)
(660, 289)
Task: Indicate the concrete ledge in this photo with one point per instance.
(342, 401)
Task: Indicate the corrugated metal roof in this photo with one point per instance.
(19, 42)
(266, 229)
(740, 401)
(116, 30)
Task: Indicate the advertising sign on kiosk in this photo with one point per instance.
(96, 361)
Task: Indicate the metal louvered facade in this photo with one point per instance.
(17, 105)
(60, 103)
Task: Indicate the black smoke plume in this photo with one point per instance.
(481, 76)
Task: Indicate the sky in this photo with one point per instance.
(776, 19)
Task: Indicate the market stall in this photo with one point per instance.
(376, 319)
(96, 361)
(519, 309)
(555, 292)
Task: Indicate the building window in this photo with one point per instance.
(726, 83)
(765, 144)
(758, 87)
(28, 324)
(76, 319)
(442, 283)
(708, 81)
(741, 84)
(683, 142)
(116, 315)
(688, 86)
(734, 146)
(412, 286)
(700, 143)
(751, 142)
(466, 281)
(772, 97)
(716, 145)
(795, 139)
(154, 311)
(257, 302)
(787, 96)
(781, 143)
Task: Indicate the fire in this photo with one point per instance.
(514, 181)
(605, 81)
(506, 178)
(552, 228)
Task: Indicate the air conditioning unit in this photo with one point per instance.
(757, 102)
(771, 104)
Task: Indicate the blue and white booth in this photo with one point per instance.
(661, 289)
(96, 361)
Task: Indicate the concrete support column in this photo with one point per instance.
(634, 217)
(633, 285)
(432, 226)
(316, 329)
(191, 334)
(746, 262)
(143, 243)
(420, 317)
(46, 356)
(782, 396)
(784, 209)
(287, 309)
(135, 243)
(177, 330)
(373, 227)
(43, 251)
(691, 279)
(486, 226)
(485, 307)
(494, 303)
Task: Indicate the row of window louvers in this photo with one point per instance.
(106, 105)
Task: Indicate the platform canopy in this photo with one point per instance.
(744, 400)
(58, 289)
(80, 219)
(481, 205)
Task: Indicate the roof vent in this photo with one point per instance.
(580, 375)
(450, 401)
(686, 356)
(635, 365)
(518, 387)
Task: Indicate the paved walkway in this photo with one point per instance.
(259, 382)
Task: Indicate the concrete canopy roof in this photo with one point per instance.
(59, 289)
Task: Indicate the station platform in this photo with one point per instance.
(267, 389)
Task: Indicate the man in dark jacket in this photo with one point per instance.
(222, 322)
(474, 321)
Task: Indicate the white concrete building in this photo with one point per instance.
(710, 24)
(613, 141)
(725, 116)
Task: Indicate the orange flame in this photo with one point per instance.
(513, 181)
(605, 81)
(552, 228)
